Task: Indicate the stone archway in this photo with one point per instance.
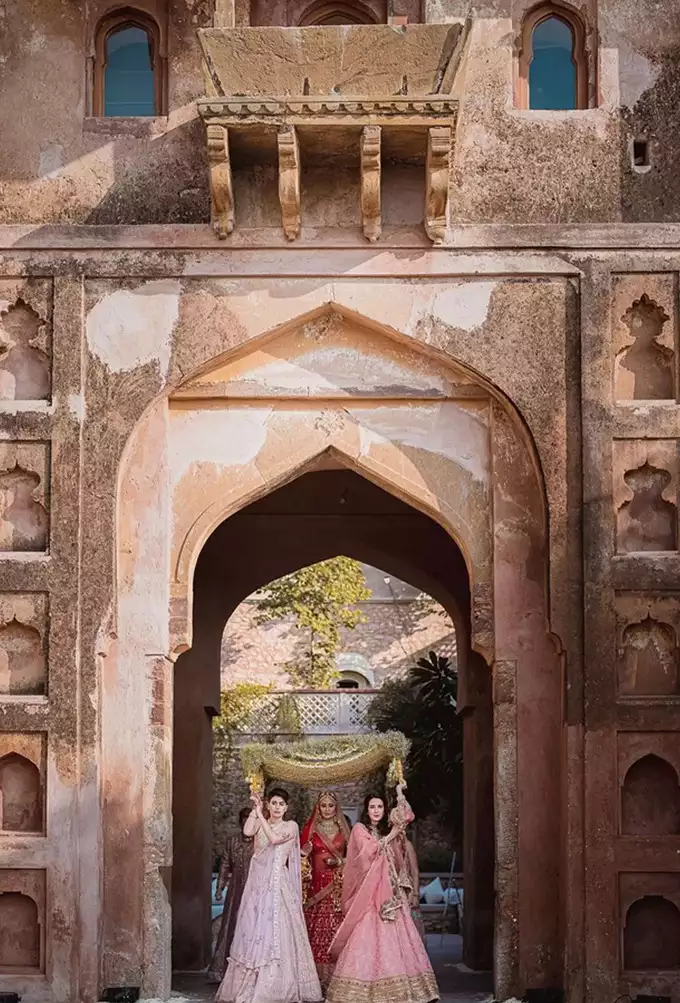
(320, 514)
(426, 430)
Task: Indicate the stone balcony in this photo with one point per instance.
(367, 95)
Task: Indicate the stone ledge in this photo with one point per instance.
(484, 237)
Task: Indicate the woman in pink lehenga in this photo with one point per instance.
(270, 959)
(380, 955)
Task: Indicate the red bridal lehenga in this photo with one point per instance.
(324, 843)
(380, 955)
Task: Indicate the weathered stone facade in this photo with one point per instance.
(439, 334)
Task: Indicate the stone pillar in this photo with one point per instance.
(136, 702)
(232, 13)
(225, 13)
(478, 821)
(197, 694)
(528, 702)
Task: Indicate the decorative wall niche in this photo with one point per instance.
(25, 339)
(644, 334)
(22, 921)
(650, 799)
(649, 779)
(645, 495)
(23, 644)
(648, 659)
(651, 935)
(24, 496)
(22, 782)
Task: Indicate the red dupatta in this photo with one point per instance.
(311, 828)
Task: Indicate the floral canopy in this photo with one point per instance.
(325, 760)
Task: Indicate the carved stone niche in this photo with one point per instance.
(644, 327)
(25, 339)
(377, 96)
(649, 779)
(648, 658)
(650, 799)
(24, 496)
(23, 644)
(22, 921)
(22, 782)
(650, 922)
(645, 495)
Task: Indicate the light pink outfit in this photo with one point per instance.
(270, 959)
(380, 955)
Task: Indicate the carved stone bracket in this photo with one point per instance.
(289, 180)
(370, 181)
(439, 140)
(269, 130)
(221, 187)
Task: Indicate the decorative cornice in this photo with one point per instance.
(261, 108)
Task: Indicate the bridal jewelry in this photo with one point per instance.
(328, 827)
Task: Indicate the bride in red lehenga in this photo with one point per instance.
(324, 844)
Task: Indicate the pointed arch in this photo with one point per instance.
(422, 426)
(138, 28)
(402, 373)
(324, 12)
(562, 26)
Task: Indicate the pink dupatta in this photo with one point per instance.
(366, 883)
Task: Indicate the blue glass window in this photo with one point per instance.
(552, 73)
(129, 87)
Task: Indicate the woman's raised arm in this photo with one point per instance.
(252, 823)
(265, 826)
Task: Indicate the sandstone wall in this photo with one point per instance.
(147, 395)
(58, 163)
(391, 640)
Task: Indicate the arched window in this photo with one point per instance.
(553, 68)
(336, 13)
(129, 67)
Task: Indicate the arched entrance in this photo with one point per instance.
(331, 388)
(318, 515)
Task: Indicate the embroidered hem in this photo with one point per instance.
(401, 989)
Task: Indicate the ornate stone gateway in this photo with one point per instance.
(336, 387)
(397, 289)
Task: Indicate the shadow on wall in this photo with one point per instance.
(649, 192)
(161, 180)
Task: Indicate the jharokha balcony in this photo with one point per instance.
(311, 712)
(363, 101)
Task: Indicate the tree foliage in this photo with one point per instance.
(236, 705)
(322, 600)
(422, 705)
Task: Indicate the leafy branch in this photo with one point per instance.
(322, 600)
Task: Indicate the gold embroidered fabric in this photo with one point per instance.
(403, 989)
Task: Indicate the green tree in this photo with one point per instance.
(236, 706)
(321, 599)
(423, 705)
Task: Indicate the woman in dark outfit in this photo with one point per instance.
(238, 850)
